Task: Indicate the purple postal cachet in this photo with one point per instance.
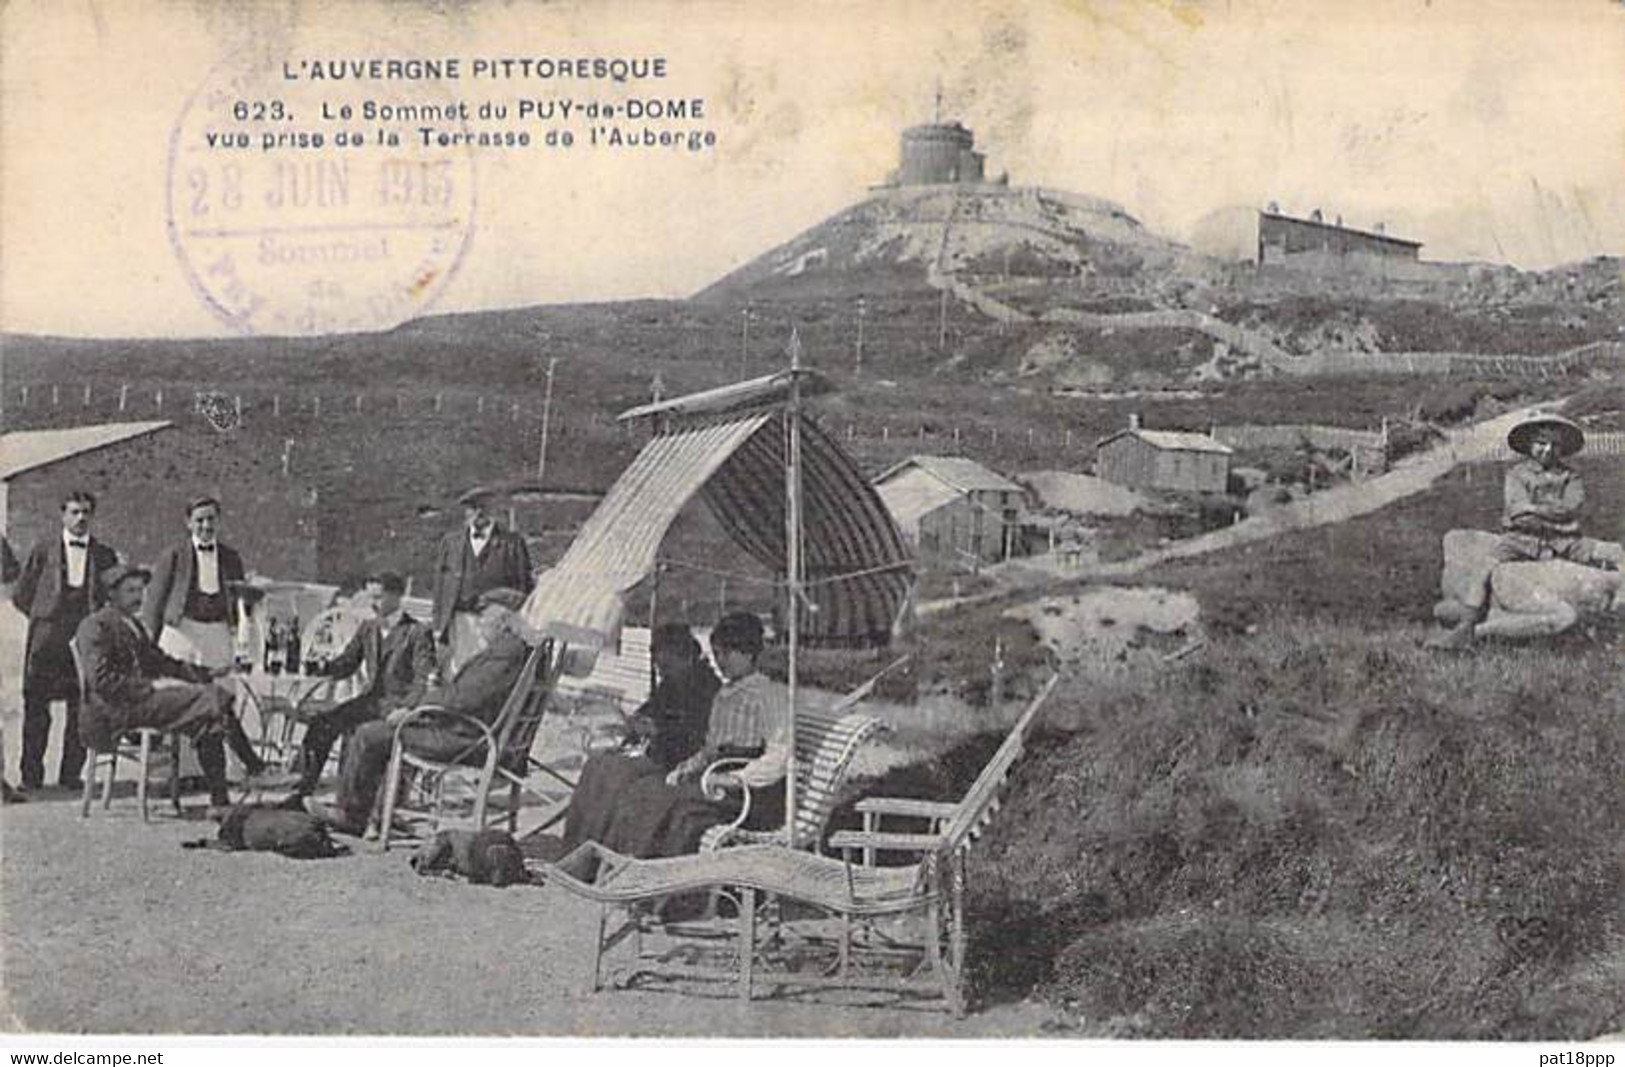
(302, 207)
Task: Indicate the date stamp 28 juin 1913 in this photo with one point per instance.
(309, 207)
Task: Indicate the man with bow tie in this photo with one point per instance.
(59, 586)
(399, 655)
(479, 557)
(190, 606)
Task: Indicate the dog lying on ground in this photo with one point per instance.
(287, 832)
(484, 857)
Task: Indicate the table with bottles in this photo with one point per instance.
(285, 684)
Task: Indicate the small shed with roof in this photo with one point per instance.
(26, 491)
(1163, 459)
(953, 509)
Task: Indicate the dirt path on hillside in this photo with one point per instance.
(1410, 476)
(940, 276)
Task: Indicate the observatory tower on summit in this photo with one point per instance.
(938, 153)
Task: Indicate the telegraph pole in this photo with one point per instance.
(744, 342)
(547, 414)
(857, 367)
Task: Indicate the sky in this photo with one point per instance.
(1488, 130)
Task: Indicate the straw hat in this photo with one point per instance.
(1566, 433)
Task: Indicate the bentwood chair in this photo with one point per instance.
(133, 745)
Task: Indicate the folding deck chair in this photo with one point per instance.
(931, 889)
(499, 757)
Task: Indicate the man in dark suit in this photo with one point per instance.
(399, 654)
(58, 588)
(120, 662)
(10, 569)
(191, 604)
(478, 557)
(478, 690)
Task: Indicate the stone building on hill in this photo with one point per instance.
(1272, 238)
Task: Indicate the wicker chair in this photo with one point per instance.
(930, 890)
(499, 758)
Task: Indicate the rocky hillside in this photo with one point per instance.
(907, 238)
(1072, 290)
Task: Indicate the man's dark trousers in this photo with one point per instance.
(324, 729)
(48, 675)
(367, 759)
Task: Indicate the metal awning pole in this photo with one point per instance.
(792, 525)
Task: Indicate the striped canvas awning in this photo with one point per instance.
(857, 569)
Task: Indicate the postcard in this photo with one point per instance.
(1081, 519)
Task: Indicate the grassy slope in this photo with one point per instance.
(1376, 570)
(1321, 833)
(1315, 829)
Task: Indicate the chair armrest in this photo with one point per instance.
(438, 711)
(902, 806)
(717, 781)
(715, 784)
(854, 839)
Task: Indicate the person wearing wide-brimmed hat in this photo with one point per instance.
(121, 661)
(477, 557)
(1542, 498)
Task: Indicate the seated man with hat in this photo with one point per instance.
(399, 656)
(478, 690)
(1542, 498)
(120, 661)
(481, 555)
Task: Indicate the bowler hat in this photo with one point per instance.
(1566, 434)
(512, 599)
(118, 572)
(479, 496)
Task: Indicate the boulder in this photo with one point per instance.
(1526, 599)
